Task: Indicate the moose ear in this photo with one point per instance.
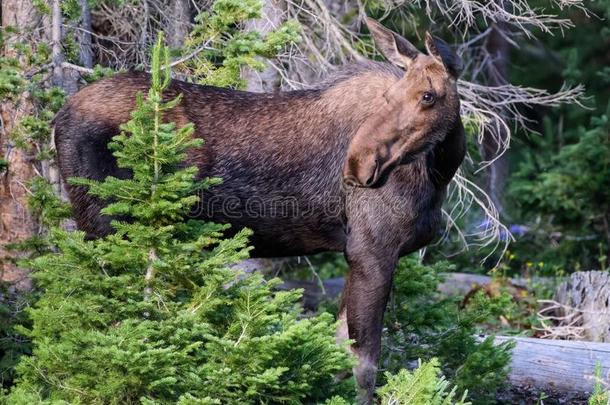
(394, 47)
(442, 51)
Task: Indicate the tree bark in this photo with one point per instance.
(180, 23)
(582, 307)
(57, 53)
(86, 51)
(16, 223)
(271, 18)
(498, 49)
(560, 368)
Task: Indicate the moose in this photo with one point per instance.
(369, 151)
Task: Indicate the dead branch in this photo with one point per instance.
(80, 69)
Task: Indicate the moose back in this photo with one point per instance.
(360, 164)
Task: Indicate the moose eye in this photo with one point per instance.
(428, 98)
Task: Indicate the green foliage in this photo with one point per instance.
(71, 9)
(11, 82)
(572, 188)
(422, 324)
(222, 48)
(424, 386)
(42, 6)
(484, 370)
(45, 204)
(154, 313)
(12, 344)
(601, 394)
(33, 131)
(71, 48)
(20, 75)
(99, 72)
(559, 187)
(337, 400)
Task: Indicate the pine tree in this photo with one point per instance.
(153, 313)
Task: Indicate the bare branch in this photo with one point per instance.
(463, 14)
(81, 69)
(191, 55)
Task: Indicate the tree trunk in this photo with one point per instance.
(180, 23)
(65, 78)
(271, 18)
(498, 49)
(16, 223)
(580, 309)
(85, 49)
(57, 53)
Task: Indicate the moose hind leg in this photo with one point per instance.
(364, 301)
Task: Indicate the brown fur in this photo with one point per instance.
(294, 149)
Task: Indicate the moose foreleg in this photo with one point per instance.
(362, 307)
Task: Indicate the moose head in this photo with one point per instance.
(418, 109)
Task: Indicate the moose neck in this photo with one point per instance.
(358, 96)
(346, 100)
(356, 93)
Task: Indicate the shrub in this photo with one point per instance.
(422, 324)
(424, 386)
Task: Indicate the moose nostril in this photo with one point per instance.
(350, 181)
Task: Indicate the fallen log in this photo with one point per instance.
(559, 368)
